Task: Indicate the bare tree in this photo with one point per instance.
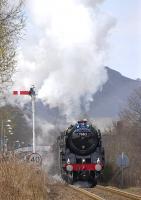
(132, 114)
(11, 23)
(125, 136)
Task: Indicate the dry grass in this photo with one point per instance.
(21, 181)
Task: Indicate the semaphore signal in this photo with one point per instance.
(32, 93)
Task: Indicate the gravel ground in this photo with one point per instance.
(63, 192)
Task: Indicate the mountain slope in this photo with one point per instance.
(114, 95)
(107, 102)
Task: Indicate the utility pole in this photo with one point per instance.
(1, 138)
(33, 97)
(122, 168)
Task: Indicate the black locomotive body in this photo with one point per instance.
(81, 154)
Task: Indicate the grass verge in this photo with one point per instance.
(21, 181)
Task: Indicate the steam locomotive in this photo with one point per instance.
(81, 154)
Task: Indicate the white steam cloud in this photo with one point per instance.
(64, 52)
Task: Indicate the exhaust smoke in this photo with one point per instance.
(63, 53)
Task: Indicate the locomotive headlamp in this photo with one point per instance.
(68, 161)
(83, 160)
(98, 167)
(98, 161)
(69, 168)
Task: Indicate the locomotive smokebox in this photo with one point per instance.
(82, 138)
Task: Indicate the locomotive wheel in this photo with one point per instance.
(61, 164)
(93, 179)
(94, 183)
(70, 178)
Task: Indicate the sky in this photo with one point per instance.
(125, 38)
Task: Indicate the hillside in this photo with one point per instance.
(114, 95)
(107, 103)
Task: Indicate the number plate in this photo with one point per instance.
(83, 134)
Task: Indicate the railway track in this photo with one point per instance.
(87, 193)
(102, 195)
(120, 192)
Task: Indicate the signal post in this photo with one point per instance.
(32, 93)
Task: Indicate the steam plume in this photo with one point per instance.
(63, 54)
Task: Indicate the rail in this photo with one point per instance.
(88, 194)
(120, 192)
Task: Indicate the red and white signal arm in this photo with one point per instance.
(35, 158)
(23, 92)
